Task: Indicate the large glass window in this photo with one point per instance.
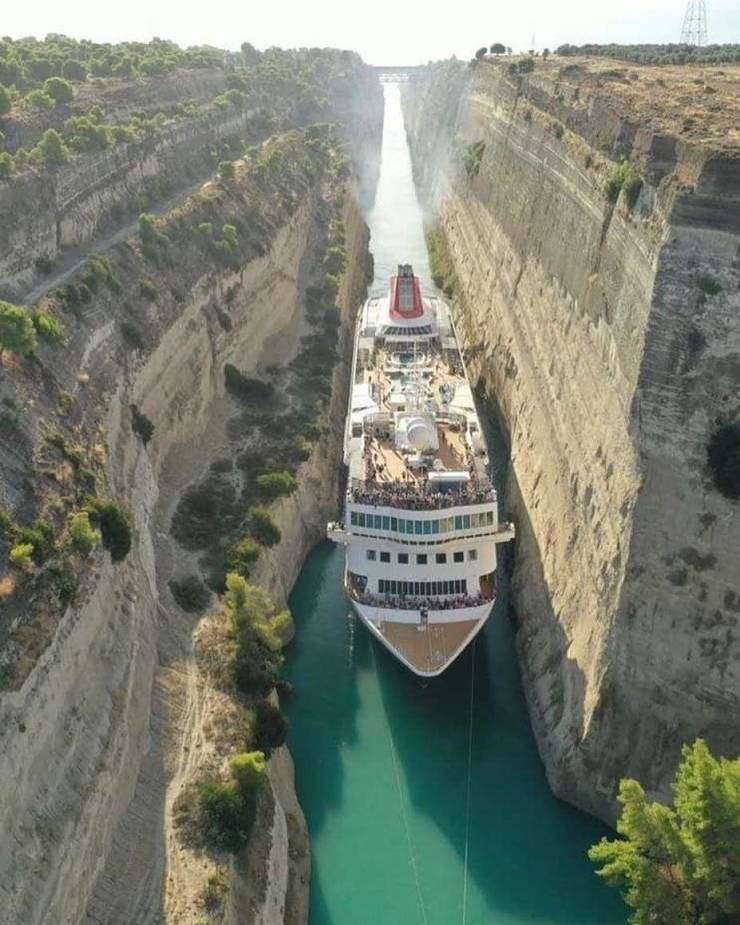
(394, 524)
(417, 526)
(427, 527)
(378, 522)
(466, 521)
(353, 518)
(360, 519)
(489, 517)
(435, 526)
(386, 523)
(458, 522)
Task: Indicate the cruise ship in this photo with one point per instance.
(420, 515)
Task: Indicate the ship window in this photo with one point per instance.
(417, 526)
(403, 558)
(381, 585)
(457, 587)
(458, 522)
(472, 555)
(427, 527)
(421, 558)
(353, 518)
(427, 588)
(458, 556)
(371, 555)
(394, 523)
(361, 519)
(435, 526)
(393, 587)
(378, 522)
(417, 588)
(441, 558)
(386, 523)
(434, 589)
(464, 584)
(385, 557)
(474, 520)
(404, 587)
(489, 517)
(466, 521)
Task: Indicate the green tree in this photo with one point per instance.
(481, 53)
(226, 819)
(20, 556)
(6, 165)
(74, 70)
(59, 90)
(47, 326)
(270, 727)
(275, 484)
(263, 528)
(226, 170)
(39, 100)
(52, 148)
(114, 525)
(17, 333)
(497, 48)
(6, 102)
(679, 865)
(84, 537)
(248, 770)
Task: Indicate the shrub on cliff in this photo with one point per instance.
(20, 556)
(245, 387)
(6, 102)
(270, 728)
(241, 555)
(59, 90)
(248, 770)
(47, 326)
(723, 455)
(190, 593)
(263, 527)
(84, 537)
(37, 99)
(17, 331)
(276, 484)
(226, 170)
(52, 149)
(74, 70)
(40, 535)
(679, 865)
(7, 165)
(624, 177)
(141, 425)
(114, 526)
(225, 817)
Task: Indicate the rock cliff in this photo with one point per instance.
(592, 218)
(104, 716)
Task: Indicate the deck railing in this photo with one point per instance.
(411, 499)
(410, 602)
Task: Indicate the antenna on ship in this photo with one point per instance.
(694, 29)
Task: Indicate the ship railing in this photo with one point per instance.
(413, 500)
(410, 602)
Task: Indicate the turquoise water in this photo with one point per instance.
(382, 760)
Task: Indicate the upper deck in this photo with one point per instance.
(413, 436)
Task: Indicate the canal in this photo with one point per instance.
(426, 803)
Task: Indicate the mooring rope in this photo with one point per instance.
(467, 795)
(409, 843)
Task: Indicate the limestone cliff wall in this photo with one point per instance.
(45, 214)
(103, 730)
(586, 321)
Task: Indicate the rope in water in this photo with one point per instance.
(467, 795)
(412, 858)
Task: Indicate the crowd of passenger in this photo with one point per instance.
(422, 498)
(409, 602)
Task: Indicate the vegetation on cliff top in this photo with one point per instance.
(658, 54)
(680, 865)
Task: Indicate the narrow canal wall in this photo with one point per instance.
(605, 325)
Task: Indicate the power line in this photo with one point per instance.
(694, 29)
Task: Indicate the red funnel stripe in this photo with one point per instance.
(406, 298)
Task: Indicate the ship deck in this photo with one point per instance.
(428, 650)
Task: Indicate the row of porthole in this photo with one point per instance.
(422, 558)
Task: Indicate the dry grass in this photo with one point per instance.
(7, 587)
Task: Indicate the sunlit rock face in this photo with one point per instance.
(608, 330)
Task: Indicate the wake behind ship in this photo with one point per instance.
(421, 516)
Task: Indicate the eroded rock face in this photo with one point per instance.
(593, 326)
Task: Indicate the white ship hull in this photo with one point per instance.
(420, 524)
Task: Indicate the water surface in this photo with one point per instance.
(425, 803)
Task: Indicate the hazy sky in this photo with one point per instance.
(383, 31)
